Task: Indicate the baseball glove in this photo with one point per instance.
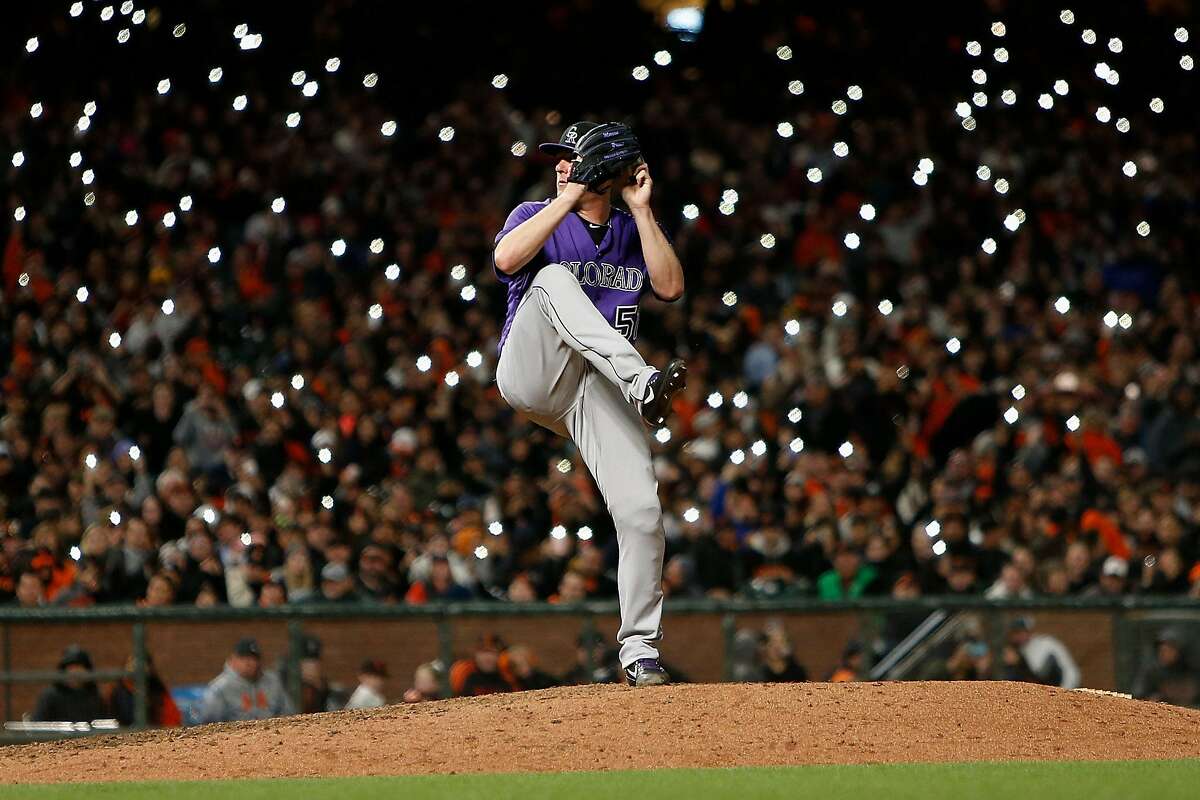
(603, 153)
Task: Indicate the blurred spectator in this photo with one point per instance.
(129, 566)
(522, 666)
(297, 574)
(439, 586)
(521, 590)
(970, 661)
(778, 661)
(1166, 573)
(1112, 581)
(375, 581)
(87, 588)
(1054, 581)
(850, 667)
(243, 691)
(54, 574)
(747, 657)
(1078, 565)
(8, 576)
(160, 591)
(371, 678)
(426, 685)
(1012, 584)
(200, 564)
(337, 584)
(960, 574)
(30, 593)
(209, 595)
(73, 698)
(482, 675)
(205, 430)
(679, 578)
(595, 661)
(1169, 677)
(161, 711)
(315, 692)
(1014, 667)
(849, 577)
(1048, 658)
(272, 594)
(572, 588)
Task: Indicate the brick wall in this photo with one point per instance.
(193, 652)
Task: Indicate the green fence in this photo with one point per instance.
(1116, 630)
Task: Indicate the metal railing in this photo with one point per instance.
(444, 615)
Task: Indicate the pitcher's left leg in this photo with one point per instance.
(615, 445)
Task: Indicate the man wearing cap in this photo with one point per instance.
(1048, 658)
(485, 678)
(74, 698)
(576, 269)
(1169, 677)
(243, 690)
(369, 694)
(1113, 581)
(337, 584)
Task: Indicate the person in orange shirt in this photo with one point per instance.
(485, 677)
(55, 574)
(850, 667)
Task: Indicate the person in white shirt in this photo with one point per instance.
(371, 677)
(1047, 657)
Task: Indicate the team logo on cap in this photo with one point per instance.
(569, 136)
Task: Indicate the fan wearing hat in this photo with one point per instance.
(1047, 658)
(337, 584)
(485, 677)
(575, 269)
(243, 690)
(74, 697)
(1169, 676)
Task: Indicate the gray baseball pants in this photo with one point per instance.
(571, 372)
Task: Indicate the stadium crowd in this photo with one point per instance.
(255, 366)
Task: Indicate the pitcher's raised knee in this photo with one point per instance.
(555, 277)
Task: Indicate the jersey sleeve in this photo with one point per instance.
(518, 215)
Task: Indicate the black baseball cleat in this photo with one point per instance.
(646, 672)
(662, 387)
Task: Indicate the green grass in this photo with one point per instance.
(1094, 780)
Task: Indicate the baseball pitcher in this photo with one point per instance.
(575, 268)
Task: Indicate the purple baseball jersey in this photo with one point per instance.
(612, 274)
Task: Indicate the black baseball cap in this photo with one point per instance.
(247, 647)
(310, 647)
(75, 655)
(565, 146)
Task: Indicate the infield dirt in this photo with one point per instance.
(614, 727)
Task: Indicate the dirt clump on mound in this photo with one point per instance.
(614, 727)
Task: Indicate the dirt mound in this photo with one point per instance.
(612, 727)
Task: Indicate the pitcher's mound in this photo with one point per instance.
(612, 727)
